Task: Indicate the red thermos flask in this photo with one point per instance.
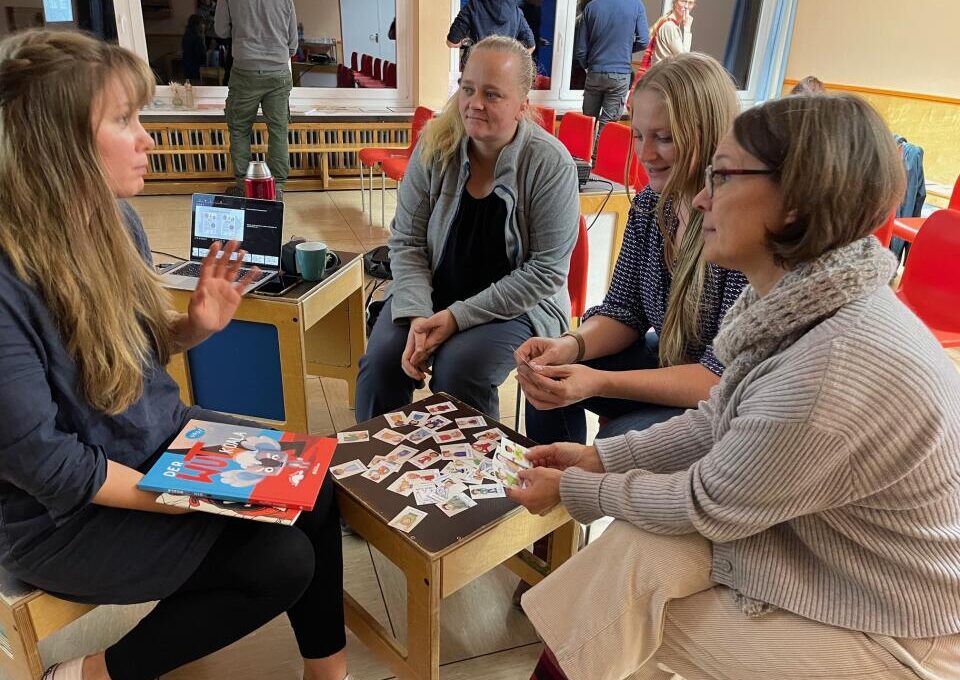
(259, 182)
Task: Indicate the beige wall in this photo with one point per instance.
(906, 45)
(4, 4)
(431, 55)
(320, 18)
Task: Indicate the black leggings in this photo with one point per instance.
(252, 573)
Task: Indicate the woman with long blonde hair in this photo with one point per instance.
(85, 331)
(612, 365)
(480, 247)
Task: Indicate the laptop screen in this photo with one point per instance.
(257, 224)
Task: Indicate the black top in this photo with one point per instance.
(475, 254)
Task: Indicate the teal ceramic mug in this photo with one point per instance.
(313, 260)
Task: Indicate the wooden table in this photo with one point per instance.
(442, 554)
(594, 199)
(320, 329)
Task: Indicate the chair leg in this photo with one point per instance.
(383, 199)
(363, 205)
(516, 412)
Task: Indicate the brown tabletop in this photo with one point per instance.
(436, 532)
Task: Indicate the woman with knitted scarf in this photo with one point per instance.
(795, 525)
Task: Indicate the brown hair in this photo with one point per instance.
(836, 164)
(442, 136)
(809, 85)
(60, 224)
(701, 102)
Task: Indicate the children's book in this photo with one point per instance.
(258, 513)
(248, 465)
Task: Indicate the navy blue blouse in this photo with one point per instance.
(640, 288)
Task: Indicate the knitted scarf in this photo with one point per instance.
(756, 328)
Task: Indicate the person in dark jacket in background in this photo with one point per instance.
(480, 18)
(194, 49)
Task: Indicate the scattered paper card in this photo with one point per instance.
(471, 422)
(389, 436)
(395, 420)
(493, 434)
(487, 491)
(436, 422)
(429, 495)
(353, 437)
(417, 417)
(401, 454)
(354, 467)
(425, 459)
(380, 471)
(454, 451)
(407, 519)
(443, 407)
(484, 447)
(456, 504)
(419, 435)
(448, 436)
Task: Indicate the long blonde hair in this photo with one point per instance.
(701, 102)
(442, 137)
(60, 225)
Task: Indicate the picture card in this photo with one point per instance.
(443, 407)
(429, 495)
(401, 454)
(471, 422)
(354, 467)
(456, 504)
(353, 437)
(419, 435)
(425, 459)
(461, 451)
(389, 436)
(493, 434)
(487, 491)
(407, 519)
(380, 471)
(514, 452)
(398, 419)
(436, 423)
(448, 436)
(417, 417)
(484, 447)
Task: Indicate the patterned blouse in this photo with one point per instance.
(640, 288)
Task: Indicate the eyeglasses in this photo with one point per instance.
(714, 178)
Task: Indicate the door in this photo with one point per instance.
(365, 24)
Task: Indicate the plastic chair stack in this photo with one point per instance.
(576, 133)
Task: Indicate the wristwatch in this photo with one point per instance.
(581, 345)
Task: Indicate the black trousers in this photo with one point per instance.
(252, 573)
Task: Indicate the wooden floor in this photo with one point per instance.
(482, 635)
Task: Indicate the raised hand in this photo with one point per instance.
(218, 292)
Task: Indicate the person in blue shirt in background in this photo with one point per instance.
(610, 32)
(480, 18)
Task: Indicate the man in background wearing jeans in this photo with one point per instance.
(610, 32)
(264, 34)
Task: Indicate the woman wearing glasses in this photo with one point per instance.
(796, 525)
(612, 365)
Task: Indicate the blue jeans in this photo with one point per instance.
(470, 365)
(569, 423)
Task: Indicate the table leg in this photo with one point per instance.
(564, 542)
(423, 620)
(358, 340)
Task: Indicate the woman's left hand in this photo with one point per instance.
(218, 292)
(430, 333)
(540, 490)
(549, 387)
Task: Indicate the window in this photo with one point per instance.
(94, 16)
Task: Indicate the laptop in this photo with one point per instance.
(257, 224)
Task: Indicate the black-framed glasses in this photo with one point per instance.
(714, 178)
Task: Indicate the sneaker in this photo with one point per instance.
(68, 670)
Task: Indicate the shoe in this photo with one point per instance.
(68, 670)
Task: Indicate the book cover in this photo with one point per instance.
(248, 465)
(258, 513)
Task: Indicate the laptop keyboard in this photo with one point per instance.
(193, 269)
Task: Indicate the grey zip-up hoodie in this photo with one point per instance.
(537, 180)
(264, 32)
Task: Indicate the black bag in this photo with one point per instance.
(376, 263)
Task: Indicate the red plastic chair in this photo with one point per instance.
(366, 65)
(546, 117)
(377, 69)
(613, 148)
(372, 156)
(576, 133)
(390, 79)
(885, 232)
(576, 286)
(353, 62)
(907, 227)
(930, 286)
(541, 82)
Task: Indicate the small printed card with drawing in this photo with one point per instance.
(380, 471)
(407, 519)
(353, 437)
(401, 454)
(470, 422)
(419, 435)
(389, 436)
(513, 452)
(443, 407)
(396, 420)
(417, 418)
(425, 459)
(436, 423)
(493, 434)
(354, 467)
(448, 436)
(484, 447)
(456, 504)
(463, 450)
(429, 495)
(487, 491)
